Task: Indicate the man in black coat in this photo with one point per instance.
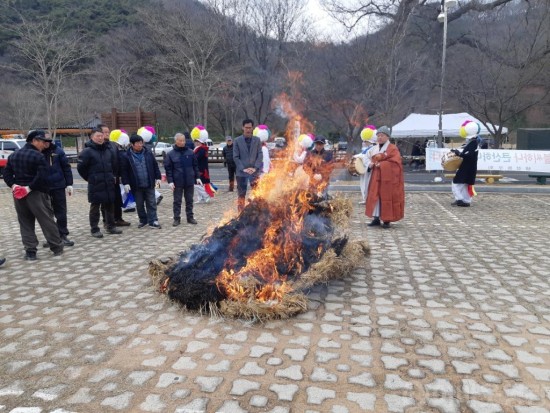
(97, 166)
(229, 162)
(60, 179)
(465, 177)
(26, 173)
(141, 174)
(182, 173)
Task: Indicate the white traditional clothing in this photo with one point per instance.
(364, 179)
(266, 165)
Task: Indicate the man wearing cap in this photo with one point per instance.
(26, 173)
(386, 193)
(318, 165)
(247, 153)
(60, 180)
(229, 162)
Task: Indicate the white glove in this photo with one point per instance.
(126, 188)
(317, 177)
(199, 182)
(157, 183)
(172, 185)
(70, 190)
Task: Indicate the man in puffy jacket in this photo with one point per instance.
(229, 162)
(182, 173)
(97, 166)
(140, 172)
(26, 173)
(60, 179)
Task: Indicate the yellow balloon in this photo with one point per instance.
(114, 135)
(462, 132)
(367, 134)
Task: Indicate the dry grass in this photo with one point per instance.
(290, 305)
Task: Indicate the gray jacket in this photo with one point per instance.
(247, 159)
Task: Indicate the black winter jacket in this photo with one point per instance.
(467, 171)
(27, 167)
(96, 165)
(181, 167)
(128, 170)
(60, 173)
(228, 155)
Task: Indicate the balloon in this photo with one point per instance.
(368, 132)
(462, 132)
(146, 134)
(151, 129)
(472, 129)
(305, 141)
(199, 133)
(262, 132)
(119, 136)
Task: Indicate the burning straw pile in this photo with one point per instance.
(257, 265)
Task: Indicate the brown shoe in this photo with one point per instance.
(122, 223)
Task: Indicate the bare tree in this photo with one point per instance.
(47, 57)
(20, 107)
(500, 68)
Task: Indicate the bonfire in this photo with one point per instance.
(260, 263)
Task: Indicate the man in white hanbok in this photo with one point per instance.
(366, 155)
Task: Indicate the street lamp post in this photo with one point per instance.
(192, 64)
(442, 18)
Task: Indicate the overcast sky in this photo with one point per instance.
(329, 26)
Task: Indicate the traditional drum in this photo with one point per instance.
(356, 166)
(451, 161)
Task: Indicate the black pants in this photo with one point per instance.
(187, 192)
(108, 215)
(59, 205)
(37, 206)
(231, 170)
(117, 207)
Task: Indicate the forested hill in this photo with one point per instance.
(95, 17)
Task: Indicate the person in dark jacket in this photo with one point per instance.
(60, 179)
(182, 173)
(465, 177)
(2, 261)
(26, 173)
(230, 162)
(116, 150)
(141, 174)
(318, 165)
(97, 166)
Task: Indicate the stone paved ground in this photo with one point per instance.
(451, 314)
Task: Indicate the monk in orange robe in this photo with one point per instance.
(386, 196)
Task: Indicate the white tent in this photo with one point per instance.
(417, 125)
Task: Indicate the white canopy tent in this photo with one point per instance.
(417, 125)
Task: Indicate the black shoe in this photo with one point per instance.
(462, 204)
(142, 224)
(30, 256)
(2, 261)
(386, 225)
(374, 223)
(114, 230)
(122, 223)
(192, 221)
(176, 222)
(97, 234)
(155, 225)
(66, 241)
(57, 253)
(455, 203)
(159, 199)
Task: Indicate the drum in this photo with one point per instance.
(356, 166)
(451, 162)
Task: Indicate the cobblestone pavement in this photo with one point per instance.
(450, 314)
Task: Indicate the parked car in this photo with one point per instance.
(280, 142)
(342, 146)
(162, 148)
(7, 147)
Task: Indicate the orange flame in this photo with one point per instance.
(286, 190)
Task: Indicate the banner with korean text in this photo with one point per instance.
(497, 160)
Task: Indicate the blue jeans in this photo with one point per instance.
(145, 200)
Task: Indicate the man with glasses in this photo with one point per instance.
(97, 166)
